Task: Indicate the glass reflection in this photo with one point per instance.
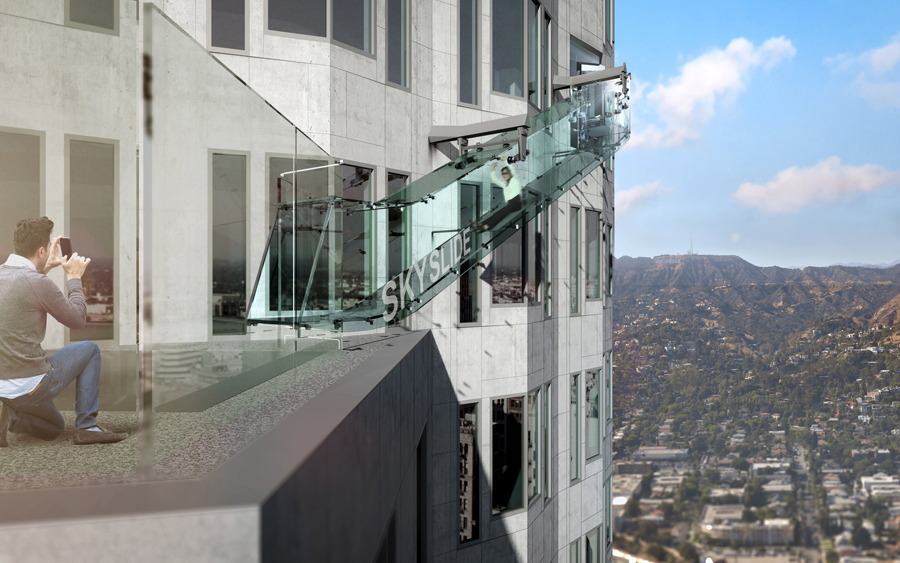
(592, 249)
(92, 197)
(574, 428)
(229, 243)
(469, 473)
(506, 458)
(532, 453)
(574, 262)
(20, 184)
(592, 413)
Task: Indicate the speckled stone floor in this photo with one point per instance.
(183, 445)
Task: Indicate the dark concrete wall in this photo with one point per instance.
(338, 504)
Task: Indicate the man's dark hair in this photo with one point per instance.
(31, 234)
(506, 169)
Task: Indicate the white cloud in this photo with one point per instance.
(875, 80)
(634, 198)
(884, 58)
(687, 102)
(825, 182)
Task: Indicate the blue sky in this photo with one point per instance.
(769, 130)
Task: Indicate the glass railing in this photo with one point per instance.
(360, 265)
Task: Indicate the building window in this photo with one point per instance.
(508, 276)
(303, 17)
(609, 387)
(574, 551)
(469, 212)
(609, 515)
(545, 439)
(228, 24)
(582, 58)
(468, 51)
(397, 228)
(533, 454)
(516, 272)
(608, 238)
(92, 228)
(469, 473)
(506, 454)
(357, 262)
(592, 413)
(593, 251)
(592, 549)
(351, 23)
(574, 426)
(608, 13)
(548, 272)
(229, 243)
(93, 15)
(397, 41)
(546, 57)
(506, 47)
(20, 184)
(574, 262)
(534, 57)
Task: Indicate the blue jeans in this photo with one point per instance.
(35, 413)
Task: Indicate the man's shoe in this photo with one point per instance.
(4, 424)
(86, 437)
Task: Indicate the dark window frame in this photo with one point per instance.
(87, 27)
(215, 49)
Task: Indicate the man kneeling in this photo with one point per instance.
(29, 379)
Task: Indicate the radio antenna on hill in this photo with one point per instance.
(691, 251)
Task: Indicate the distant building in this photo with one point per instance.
(656, 453)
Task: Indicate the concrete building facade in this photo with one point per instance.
(509, 456)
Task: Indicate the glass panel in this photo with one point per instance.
(610, 260)
(532, 258)
(397, 241)
(469, 473)
(507, 42)
(592, 546)
(608, 16)
(212, 207)
(534, 32)
(92, 228)
(574, 428)
(547, 62)
(534, 487)
(592, 249)
(229, 243)
(592, 413)
(306, 17)
(20, 184)
(227, 23)
(548, 271)
(568, 140)
(508, 275)
(609, 514)
(545, 437)
(582, 58)
(506, 454)
(609, 387)
(396, 41)
(574, 552)
(352, 23)
(468, 51)
(469, 212)
(355, 230)
(96, 13)
(574, 262)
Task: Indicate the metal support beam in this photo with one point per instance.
(441, 135)
(563, 82)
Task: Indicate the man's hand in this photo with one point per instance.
(75, 266)
(55, 259)
(493, 166)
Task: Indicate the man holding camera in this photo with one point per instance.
(29, 378)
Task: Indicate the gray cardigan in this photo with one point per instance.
(26, 297)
